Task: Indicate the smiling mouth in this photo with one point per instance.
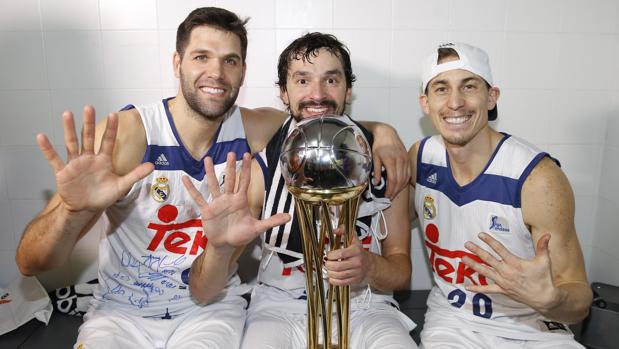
(457, 120)
(322, 108)
(212, 90)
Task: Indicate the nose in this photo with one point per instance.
(317, 91)
(455, 100)
(215, 69)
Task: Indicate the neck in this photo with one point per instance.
(468, 160)
(196, 131)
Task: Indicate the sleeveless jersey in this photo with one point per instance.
(451, 214)
(154, 233)
(282, 260)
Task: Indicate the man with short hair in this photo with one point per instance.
(127, 175)
(315, 78)
(498, 219)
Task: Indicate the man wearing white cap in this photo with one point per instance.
(497, 215)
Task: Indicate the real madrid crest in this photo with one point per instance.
(429, 210)
(160, 191)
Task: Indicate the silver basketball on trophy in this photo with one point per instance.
(326, 155)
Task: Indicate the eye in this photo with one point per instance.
(200, 58)
(469, 87)
(440, 90)
(332, 81)
(230, 61)
(302, 82)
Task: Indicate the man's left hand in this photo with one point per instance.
(526, 281)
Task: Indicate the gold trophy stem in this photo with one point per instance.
(320, 308)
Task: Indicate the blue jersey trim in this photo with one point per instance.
(178, 158)
(263, 167)
(486, 187)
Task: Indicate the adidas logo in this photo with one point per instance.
(433, 178)
(162, 160)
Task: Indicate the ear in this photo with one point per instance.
(493, 97)
(348, 99)
(243, 74)
(423, 103)
(176, 62)
(283, 95)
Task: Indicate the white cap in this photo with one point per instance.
(471, 58)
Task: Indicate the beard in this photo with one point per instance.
(334, 108)
(207, 109)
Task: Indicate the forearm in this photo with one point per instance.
(48, 240)
(210, 273)
(572, 305)
(389, 273)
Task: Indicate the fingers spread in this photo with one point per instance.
(230, 179)
(211, 179)
(70, 135)
(245, 176)
(135, 175)
(482, 254)
(499, 248)
(109, 136)
(50, 153)
(273, 221)
(88, 131)
(193, 192)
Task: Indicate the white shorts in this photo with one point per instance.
(446, 337)
(281, 326)
(215, 326)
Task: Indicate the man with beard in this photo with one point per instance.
(315, 78)
(126, 176)
(498, 219)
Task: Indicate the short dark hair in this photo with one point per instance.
(307, 47)
(217, 18)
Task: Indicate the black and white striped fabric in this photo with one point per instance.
(285, 240)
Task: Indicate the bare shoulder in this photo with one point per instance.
(260, 125)
(130, 143)
(548, 179)
(547, 199)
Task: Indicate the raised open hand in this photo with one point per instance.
(87, 181)
(226, 219)
(526, 281)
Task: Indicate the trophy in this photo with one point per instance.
(326, 164)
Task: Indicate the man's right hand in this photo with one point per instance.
(87, 182)
(226, 216)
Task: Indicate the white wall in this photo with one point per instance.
(555, 60)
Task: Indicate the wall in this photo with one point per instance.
(555, 61)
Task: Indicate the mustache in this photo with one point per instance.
(326, 103)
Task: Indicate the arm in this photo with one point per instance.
(554, 282)
(260, 125)
(389, 152)
(229, 222)
(78, 203)
(569, 296)
(412, 154)
(389, 272)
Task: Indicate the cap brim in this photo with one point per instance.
(492, 114)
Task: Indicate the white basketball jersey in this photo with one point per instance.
(451, 215)
(154, 233)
